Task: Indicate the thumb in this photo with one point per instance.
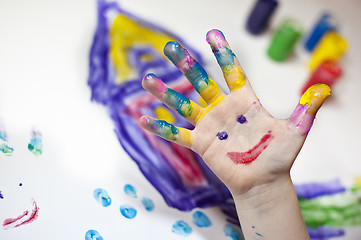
(304, 114)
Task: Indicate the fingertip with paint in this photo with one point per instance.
(315, 96)
(216, 37)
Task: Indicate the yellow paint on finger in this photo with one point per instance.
(184, 137)
(234, 77)
(314, 97)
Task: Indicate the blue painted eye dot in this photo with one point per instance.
(222, 135)
(241, 119)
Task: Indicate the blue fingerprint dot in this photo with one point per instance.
(128, 211)
(201, 220)
(102, 197)
(93, 235)
(222, 135)
(241, 119)
(1, 195)
(130, 191)
(232, 232)
(182, 228)
(148, 204)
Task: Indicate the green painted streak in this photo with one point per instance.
(6, 149)
(339, 210)
(166, 130)
(179, 102)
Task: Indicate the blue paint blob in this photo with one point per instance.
(102, 197)
(148, 204)
(201, 220)
(20, 184)
(1, 195)
(182, 228)
(232, 232)
(130, 191)
(128, 211)
(241, 119)
(222, 135)
(93, 235)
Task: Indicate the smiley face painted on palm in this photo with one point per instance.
(249, 156)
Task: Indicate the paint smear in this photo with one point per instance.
(36, 143)
(102, 197)
(182, 228)
(258, 235)
(128, 211)
(25, 218)
(130, 191)
(4, 147)
(201, 220)
(93, 235)
(325, 232)
(1, 195)
(148, 204)
(313, 190)
(252, 154)
(232, 232)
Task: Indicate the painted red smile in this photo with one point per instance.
(25, 218)
(252, 154)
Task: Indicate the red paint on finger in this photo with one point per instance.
(252, 154)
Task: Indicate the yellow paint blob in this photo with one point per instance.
(126, 33)
(314, 97)
(331, 47)
(163, 113)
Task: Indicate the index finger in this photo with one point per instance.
(227, 60)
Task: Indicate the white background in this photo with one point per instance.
(44, 47)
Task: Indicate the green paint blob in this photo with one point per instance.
(337, 210)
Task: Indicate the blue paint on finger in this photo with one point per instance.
(102, 197)
(128, 211)
(201, 220)
(130, 190)
(148, 204)
(182, 228)
(93, 235)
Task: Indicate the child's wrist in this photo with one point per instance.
(266, 195)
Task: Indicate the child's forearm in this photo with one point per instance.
(271, 211)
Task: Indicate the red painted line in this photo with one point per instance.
(252, 154)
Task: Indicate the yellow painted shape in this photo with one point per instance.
(165, 114)
(331, 47)
(126, 33)
(314, 97)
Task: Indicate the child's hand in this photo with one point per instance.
(238, 139)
